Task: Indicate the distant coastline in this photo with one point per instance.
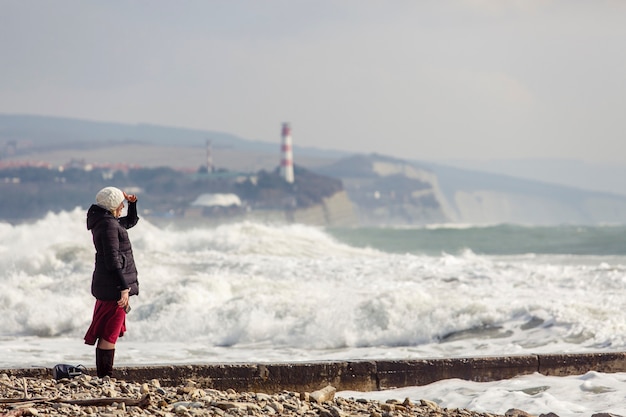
(382, 190)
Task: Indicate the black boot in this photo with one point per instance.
(104, 362)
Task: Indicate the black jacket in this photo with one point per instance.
(115, 266)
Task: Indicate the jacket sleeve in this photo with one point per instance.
(131, 217)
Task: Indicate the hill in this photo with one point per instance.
(381, 189)
(26, 137)
(398, 192)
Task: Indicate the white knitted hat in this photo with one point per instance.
(109, 198)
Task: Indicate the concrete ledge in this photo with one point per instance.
(568, 364)
(423, 372)
(358, 375)
(271, 378)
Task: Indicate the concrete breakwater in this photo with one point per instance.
(365, 375)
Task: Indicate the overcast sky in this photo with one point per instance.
(425, 80)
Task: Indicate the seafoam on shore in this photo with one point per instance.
(569, 396)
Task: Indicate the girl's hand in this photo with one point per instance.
(131, 198)
(123, 301)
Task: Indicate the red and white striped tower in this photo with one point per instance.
(286, 155)
(209, 156)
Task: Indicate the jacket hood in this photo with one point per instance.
(95, 214)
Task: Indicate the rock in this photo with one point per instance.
(187, 404)
(276, 406)
(224, 405)
(263, 397)
(180, 409)
(336, 412)
(387, 407)
(290, 405)
(269, 411)
(430, 405)
(111, 393)
(323, 395)
(251, 407)
(514, 412)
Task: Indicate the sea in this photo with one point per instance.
(260, 292)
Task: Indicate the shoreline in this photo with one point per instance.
(358, 375)
(275, 389)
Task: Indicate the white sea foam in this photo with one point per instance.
(571, 396)
(262, 293)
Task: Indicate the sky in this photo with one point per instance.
(426, 80)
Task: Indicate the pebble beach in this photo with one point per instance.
(90, 396)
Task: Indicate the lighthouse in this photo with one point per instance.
(209, 156)
(286, 155)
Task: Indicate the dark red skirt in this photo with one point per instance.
(108, 323)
